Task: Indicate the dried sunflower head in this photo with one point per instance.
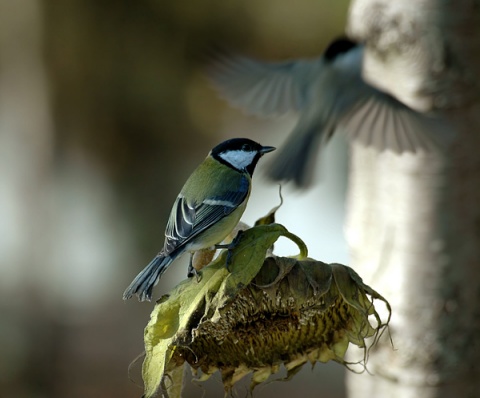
(264, 313)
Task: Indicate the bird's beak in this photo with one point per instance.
(267, 149)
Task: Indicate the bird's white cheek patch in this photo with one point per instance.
(238, 159)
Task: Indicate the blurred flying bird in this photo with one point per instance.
(329, 94)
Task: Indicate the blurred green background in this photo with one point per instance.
(104, 112)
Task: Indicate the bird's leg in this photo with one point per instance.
(192, 271)
(230, 246)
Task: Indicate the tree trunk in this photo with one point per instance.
(413, 221)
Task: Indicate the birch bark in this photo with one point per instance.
(413, 221)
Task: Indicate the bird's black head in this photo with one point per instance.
(337, 47)
(240, 154)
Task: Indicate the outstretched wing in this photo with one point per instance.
(380, 120)
(263, 88)
(189, 219)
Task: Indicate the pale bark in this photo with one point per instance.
(414, 220)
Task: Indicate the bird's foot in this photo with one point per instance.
(192, 271)
(230, 248)
(195, 273)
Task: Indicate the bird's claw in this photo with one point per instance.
(230, 248)
(192, 271)
(195, 273)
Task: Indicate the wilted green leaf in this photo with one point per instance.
(175, 318)
(248, 257)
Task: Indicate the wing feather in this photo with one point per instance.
(263, 88)
(187, 220)
(381, 121)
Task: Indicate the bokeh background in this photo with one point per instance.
(104, 112)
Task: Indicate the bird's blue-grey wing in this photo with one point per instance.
(377, 119)
(180, 224)
(187, 220)
(263, 88)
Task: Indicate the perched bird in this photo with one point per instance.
(207, 209)
(329, 94)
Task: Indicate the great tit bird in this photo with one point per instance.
(206, 210)
(328, 93)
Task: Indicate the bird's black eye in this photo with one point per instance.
(246, 147)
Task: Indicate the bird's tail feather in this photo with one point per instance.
(144, 282)
(298, 154)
